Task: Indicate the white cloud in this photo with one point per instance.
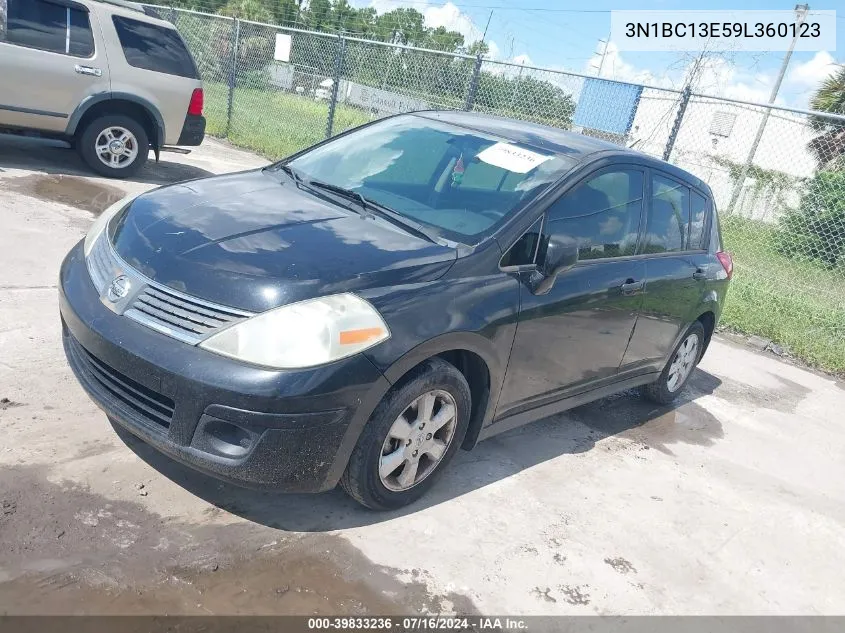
(448, 15)
(719, 75)
(451, 18)
(811, 73)
(614, 67)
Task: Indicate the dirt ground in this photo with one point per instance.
(731, 502)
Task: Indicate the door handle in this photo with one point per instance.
(699, 274)
(88, 70)
(632, 287)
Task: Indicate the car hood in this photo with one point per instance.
(255, 240)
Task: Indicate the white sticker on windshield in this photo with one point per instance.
(512, 158)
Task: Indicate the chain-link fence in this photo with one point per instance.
(778, 174)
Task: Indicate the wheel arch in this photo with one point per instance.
(708, 320)
(119, 103)
(474, 356)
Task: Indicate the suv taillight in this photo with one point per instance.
(195, 107)
(727, 262)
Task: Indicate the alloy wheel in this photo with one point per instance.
(116, 147)
(683, 363)
(418, 440)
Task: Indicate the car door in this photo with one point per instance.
(675, 261)
(576, 334)
(48, 63)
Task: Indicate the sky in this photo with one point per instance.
(562, 35)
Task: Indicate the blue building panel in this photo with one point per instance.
(607, 106)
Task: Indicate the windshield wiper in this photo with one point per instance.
(290, 171)
(371, 207)
(349, 194)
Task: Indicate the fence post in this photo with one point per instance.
(473, 84)
(676, 126)
(338, 71)
(233, 73)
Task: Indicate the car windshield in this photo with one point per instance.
(458, 181)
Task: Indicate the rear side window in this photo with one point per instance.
(698, 220)
(667, 226)
(49, 27)
(154, 47)
(602, 214)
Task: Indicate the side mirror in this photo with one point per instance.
(561, 255)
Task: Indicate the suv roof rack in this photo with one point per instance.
(134, 6)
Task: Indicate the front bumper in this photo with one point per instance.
(259, 428)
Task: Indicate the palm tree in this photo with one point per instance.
(830, 97)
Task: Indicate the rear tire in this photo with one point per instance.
(681, 364)
(114, 145)
(410, 437)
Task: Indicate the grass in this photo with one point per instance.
(799, 305)
(273, 123)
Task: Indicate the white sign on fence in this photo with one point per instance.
(282, 53)
(380, 100)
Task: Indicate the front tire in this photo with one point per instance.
(115, 146)
(681, 364)
(411, 436)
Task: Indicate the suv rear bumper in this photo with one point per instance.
(193, 131)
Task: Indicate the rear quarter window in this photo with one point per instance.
(154, 47)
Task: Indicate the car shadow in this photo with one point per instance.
(626, 415)
(56, 157)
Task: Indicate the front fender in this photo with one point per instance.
(477, 314)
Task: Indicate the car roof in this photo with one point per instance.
(577, 147)
(127, 9)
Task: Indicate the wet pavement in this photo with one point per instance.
(731, 501)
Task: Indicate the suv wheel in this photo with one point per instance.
(679, 368)
(413, 433)
(114, 145)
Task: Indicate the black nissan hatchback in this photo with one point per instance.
(358, 312)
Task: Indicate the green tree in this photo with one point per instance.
(442, 40)
(830, 97)
(816, 229)
(318, 16)
(255, 10)
(478, 47)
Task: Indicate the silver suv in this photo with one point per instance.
(109, 77)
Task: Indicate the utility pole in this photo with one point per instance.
(603, 54)
(801, 11)
(484, 35)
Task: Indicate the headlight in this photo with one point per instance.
(304, 334)
(102, 222)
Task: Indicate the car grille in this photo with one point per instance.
(190, 320)
(183, 317)
(100, 264)
(149, 405)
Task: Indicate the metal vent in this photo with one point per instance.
(722, 123)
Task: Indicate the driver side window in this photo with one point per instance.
(601, 214)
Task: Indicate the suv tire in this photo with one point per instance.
(114, 145)
(681, 364)
(398, 427)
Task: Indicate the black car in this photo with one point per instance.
(359, 311)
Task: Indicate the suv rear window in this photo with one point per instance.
(154, 47)
(49, 26)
